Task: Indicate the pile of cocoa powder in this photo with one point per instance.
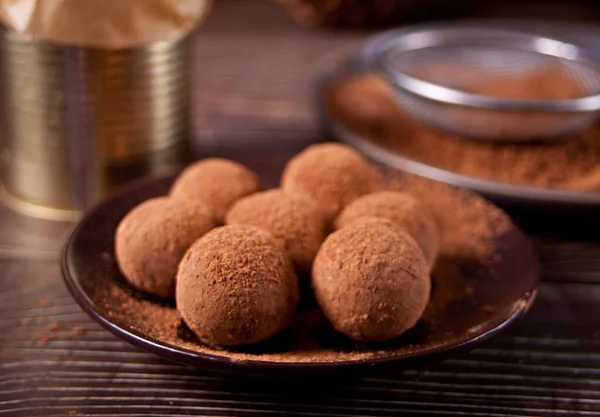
(365, 105)
(470, 232)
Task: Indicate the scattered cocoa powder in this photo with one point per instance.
(488, 309)
(26, 321)
(47, 338)
(365, 105)
(45, 303)
(53, 327)
(469, 231)
(78, 329)
(469, 226)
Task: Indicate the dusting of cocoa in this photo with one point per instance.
(365, 105)
(47, 338)
(217, 183)
(331, 175)
(382, 275)
(45, 303)
(295, 221)
(469, 228)
(236, 286)
(78, 330)
(153, 237)
(404, 210)
(53, 327)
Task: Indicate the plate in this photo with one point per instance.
(522, 198)
(470, 302)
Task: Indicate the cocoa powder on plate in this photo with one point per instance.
(365, 105)
(469, 231)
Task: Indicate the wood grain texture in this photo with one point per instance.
(53, 359)
(252, 73)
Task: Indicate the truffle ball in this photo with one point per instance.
(371, 280)
(153, 237)
(216, 182)
(236, 286)
(402, 209)
(296, 222)
(330, 174)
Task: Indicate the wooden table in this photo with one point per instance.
(252, 96)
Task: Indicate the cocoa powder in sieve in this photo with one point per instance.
(365, 105)
(545, 83)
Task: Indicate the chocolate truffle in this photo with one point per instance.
(332, 175)
(236, 286)
(153, 237)
(296, 222)
(402, 209)
(217, 183)
(371, 280)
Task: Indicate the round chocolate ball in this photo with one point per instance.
(153, 237)
(371, 280)
(236, 286)
(332, 175)
(217, 183)
(296, 222)
(402, 209)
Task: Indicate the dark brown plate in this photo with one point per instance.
(472, 299)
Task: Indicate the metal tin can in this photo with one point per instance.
(78, 122)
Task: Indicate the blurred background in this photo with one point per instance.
(251, 65)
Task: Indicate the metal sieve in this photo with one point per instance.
(433, 72)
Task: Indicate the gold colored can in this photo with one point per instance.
(77, 123)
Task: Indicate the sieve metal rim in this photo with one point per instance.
(427, 38)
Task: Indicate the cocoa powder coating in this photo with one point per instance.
(470, 229)
(153, 237)
(217, 183)
(402, 209)
(365, 104)
(332, 175)
(295, 221)
(371, 280)
(236, 286)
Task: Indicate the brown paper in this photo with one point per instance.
(103, 23)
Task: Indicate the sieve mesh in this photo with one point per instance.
(474, 66)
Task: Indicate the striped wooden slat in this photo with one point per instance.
(251, 96)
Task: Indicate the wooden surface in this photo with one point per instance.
(253, 69)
